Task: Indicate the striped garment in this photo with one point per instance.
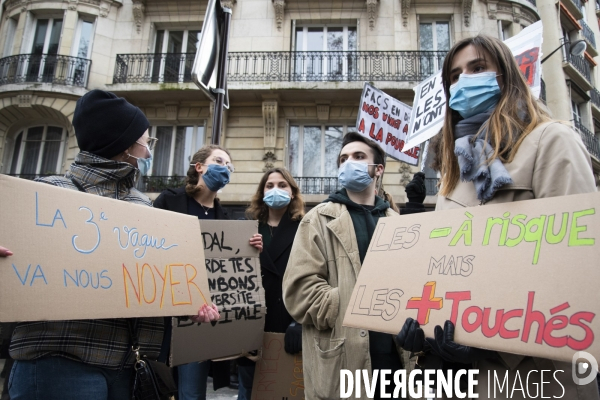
(100, 342)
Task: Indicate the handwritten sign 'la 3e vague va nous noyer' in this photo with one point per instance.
(80, 256)
(518, 277)
(235, 285)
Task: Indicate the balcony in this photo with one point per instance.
(543, 91)
(573, 7)
(589, 139)
(44, 68)
(578, 68)
(156, 184)
(286, 66)
(318, 185)
(532, 2)
(595, 97)
(589, 37)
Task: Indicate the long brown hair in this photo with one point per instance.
(191, 181)
(506, 129)
(260, 211)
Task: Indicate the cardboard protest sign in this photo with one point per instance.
(517, 277)
(278, 375)
(79, 256)
(384, 120)
(235, 285)
(429, 105)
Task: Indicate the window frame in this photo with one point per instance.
(163, 51)
(195, 145)
(25, 131)
(433, 20)
(300, 160)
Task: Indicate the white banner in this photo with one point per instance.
(384, 120)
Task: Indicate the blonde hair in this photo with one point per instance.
(506, 129)
(260, 211)
(192, 178)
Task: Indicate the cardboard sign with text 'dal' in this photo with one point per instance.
(235, 284)
(80, 256)
(517, 277)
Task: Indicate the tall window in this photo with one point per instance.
(174, 55)
(82, 49)
(313, 149)
(433, 36)
(337, 41)
(38, 151)
(174, 149)
(576, 112)
(44, 48)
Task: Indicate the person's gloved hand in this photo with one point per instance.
(444, 346)
(293, 338)
(411, 337)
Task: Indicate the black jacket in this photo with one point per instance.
(177, 200)
(273, 262)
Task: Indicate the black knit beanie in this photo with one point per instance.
(416, 190)
(106, 125)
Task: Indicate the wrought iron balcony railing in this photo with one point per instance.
(286, 66)
(577, 3)
(44, 68)
(589, 139)
(431, 185)
(156, 184)
(579, 62)
(318, 185)
(588, 34)
(595, 95)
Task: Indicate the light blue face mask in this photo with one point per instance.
(354, 176)
(277, 198)
(474, 93)
(145, 165)
(216, 177)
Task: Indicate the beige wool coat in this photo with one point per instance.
(551, 161)
(318, 282)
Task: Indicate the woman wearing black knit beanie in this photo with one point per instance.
(88, 359)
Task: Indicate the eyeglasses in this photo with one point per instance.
(221, 162)
(151, 144)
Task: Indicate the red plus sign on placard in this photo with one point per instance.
(425, 303)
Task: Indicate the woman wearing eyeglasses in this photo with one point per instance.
(278, 206)
(209, 171)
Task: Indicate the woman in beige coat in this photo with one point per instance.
(499, 146)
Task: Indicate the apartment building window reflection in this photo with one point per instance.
(44, 48)
(325, 52)
(37, 151)
(174, 52)
(433, 36)
(174, 149)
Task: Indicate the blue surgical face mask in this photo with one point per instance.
(216, 177)
(474, 93)
(145, 165)
(354, 176)
(277, 198)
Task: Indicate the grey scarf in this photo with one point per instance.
(473, 152)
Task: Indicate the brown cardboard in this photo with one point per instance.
(235, 285)
(278, 375)
(444, 257)
(79, 256)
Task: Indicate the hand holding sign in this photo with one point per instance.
(4, 252)
(207, 314)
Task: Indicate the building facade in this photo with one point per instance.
(296, 69)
